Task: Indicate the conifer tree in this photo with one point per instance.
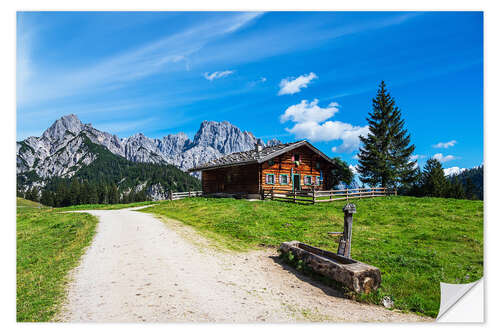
(456, 190)
(93, 197)
(84, 193)
(435, 183)
(46, 198)
(60, 197)
(114, 196)
(74, 192)
(103, 194)
(384, 157)
(32, 194)
(470, 190)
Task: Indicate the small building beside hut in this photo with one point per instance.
(297, 165)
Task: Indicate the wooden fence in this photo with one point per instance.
(182, 195)
(312, 197)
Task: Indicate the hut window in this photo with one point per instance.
(318, 180)
(307, 180)
(296, 157)
(269, 178)
(283, 179)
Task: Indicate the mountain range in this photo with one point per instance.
(66, 147)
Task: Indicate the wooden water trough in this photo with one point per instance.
(353, 274)
(340, 267)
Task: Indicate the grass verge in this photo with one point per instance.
(49, 245)
(104, 206)
(416, 242)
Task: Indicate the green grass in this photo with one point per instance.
(23, 203)
(49, 245)
(104, 206)
(416, 242)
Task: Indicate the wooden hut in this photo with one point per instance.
(297, 165)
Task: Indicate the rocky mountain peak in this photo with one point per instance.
(61, 152)
(137, 136)
(273, 142)
(59, 128)
(224, 137)
(178, 136)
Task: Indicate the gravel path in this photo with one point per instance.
(140, 269)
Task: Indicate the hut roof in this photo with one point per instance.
(255, 156)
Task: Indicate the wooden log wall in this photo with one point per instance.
(235, 179)
(285, 164)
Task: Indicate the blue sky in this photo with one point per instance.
(285, 75)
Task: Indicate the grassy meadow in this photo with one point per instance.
(49, 245)
(416, 242)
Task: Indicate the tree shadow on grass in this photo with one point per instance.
(326, 285)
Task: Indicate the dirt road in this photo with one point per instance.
(140, 269)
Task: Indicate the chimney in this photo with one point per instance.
(258, 146)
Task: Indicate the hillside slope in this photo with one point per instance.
(475, 175)
(107, 170)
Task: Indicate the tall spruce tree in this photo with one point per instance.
(384, 157)
(435, 183)
(103, 194)
(93, 197)
(74, 192)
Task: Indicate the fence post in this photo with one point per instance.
(395, 191)
(347, 194)
(272, 193)
(294, 196)
(171, 195)
(314, 195)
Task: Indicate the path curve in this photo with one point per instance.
(140, 269)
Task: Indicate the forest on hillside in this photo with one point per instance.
(108, 179)
(471, 178)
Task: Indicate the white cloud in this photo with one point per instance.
(290, 85)
(453, 171)
(353, 169)
(441, 158)
(217, 75)
(263, 79)
(445, 144)
(305, 111)
(350, 138)
(311, 123)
